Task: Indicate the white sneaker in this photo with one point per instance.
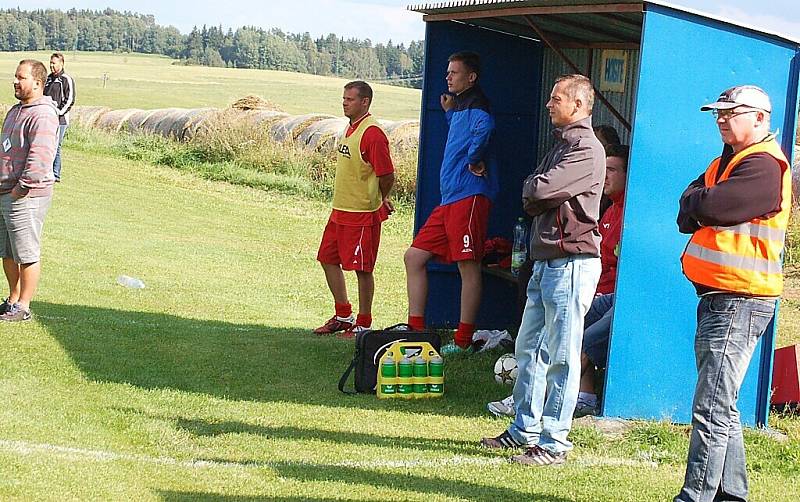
(502, 408)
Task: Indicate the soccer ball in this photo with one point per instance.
(505, 369)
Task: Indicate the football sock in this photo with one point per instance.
(343, 310)
(364, 320)
(417, 322)
(464, 334)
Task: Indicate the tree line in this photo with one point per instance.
(245, 47)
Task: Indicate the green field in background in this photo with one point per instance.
(149, 81)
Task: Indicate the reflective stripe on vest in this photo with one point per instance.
(735, 261)
(754, 230)
(744, 258)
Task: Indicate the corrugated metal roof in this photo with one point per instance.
(472, 5)
(566, 22)
(563, 22)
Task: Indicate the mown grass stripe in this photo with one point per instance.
(73, 453)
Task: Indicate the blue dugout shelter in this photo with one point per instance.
(654, 65)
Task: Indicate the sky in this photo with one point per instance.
(377, 20)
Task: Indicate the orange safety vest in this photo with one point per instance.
(744, 258)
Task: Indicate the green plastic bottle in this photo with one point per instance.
(436, 379)
(405, 375)
(389, 376)
(420, 378)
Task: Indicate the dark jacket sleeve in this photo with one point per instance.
(573, 175)
(68, 97)
(752, 190)
(686, 223)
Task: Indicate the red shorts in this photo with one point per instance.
(456, 231)
(351, 246)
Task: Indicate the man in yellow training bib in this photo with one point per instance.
(364, 178)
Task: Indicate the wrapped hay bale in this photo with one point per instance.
(87, 116)
(177, 125)
(153, 123)
(173, 120)
(135, 120)
(217, 121)
(192, 121)
(403, 134)
(290, 128)
(115, 119)
(263, 118)
(323, 134)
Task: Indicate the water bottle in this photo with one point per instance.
(519, 253)
(420, 378)
(436, 385)
(405, 373)
(130, 282)
(388, 376)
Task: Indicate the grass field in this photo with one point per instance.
(147, 82)
(207, 385)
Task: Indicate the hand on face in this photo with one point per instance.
(448, 101)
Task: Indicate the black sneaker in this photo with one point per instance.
(5, 306)
(538, 456)
(16, 314)
(504, 440)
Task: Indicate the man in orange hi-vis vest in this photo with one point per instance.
(737, 213)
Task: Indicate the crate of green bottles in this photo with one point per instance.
(410, 370)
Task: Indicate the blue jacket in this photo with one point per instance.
(468, 142)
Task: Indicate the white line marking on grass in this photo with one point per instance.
(71, 453)
(156, 325)
(404, 464)
(25, 448)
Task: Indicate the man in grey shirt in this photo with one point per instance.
(563, 197)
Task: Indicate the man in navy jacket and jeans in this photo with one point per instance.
(61, 89)
(456, 229)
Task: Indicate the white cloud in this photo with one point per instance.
(752, 15)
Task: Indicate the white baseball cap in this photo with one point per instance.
(741, 95)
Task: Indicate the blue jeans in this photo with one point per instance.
(598, 329)
(728, 328)
(548, 350)
(62, 128)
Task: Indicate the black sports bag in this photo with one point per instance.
(371, 345)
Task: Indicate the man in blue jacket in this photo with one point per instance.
(456, 229)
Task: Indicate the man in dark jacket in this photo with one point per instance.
(737, 212)
(456, 229)
(61, 88)
(563, 196)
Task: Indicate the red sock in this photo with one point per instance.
(464, 334)
(343, 309)
(417, 322)
(364, 320)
